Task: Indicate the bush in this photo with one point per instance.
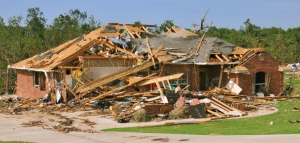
(178, 113)
(141, 115)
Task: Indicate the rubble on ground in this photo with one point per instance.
(124, 94)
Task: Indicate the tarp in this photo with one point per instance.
(118, 41)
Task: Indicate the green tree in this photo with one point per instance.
(167, 24)
(34, 38)
(137, 23)
(70, 26)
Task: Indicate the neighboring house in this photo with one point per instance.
(116, 51)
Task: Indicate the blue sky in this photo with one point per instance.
(223, 13)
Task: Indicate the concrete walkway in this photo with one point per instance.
(10, 129)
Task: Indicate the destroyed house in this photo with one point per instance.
(120, 55)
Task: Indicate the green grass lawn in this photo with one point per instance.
(245, 126)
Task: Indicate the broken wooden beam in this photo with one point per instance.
(120, 88)
(67, 86)
(219, 58)
(200, 43)
(218, 101)
(107, 79)
(160, 79)
(214, 113)
(150, 52)
(221, 76)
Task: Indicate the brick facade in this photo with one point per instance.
(191, 71)
(26, 88)
(257, 63)
(262, 63)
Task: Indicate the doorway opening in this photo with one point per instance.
(203, 81)
(260, 82)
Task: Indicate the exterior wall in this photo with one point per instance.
(26, 88)
(190, 70)
(94, 73)
(262, 63)
(212, 77)
(245, 82)
(214, 72)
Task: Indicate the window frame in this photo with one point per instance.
(178, 81)
(36, 79)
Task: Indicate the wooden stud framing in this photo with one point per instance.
(219, 58)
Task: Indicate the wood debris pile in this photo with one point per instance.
(120, 73)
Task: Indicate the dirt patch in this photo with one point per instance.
(34, 123)
(88, 122)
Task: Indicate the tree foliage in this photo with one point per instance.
(167, 24)
(18, 42)
(283, 45)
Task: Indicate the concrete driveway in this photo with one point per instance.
(12, 130)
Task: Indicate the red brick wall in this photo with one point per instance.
(25, 85)
(268, 65)
(262, 63)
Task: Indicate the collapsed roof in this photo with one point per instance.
(177, 45)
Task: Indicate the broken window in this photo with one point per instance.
(36, 78)
(39, 80)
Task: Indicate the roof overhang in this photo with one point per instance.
(217, 63)
(28, 69)
(237, 69)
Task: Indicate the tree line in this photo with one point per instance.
(282, 45)
(19, 42)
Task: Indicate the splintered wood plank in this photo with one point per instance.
(176, 53)
(221, 75)
(220, 106)
(137, 34)
(218, 101)
(235, 56)
(225, 58)
(200, 43)
(122, 87)
(168, 30)
(160, 90)
(169, 84)
(66, 85)
(129, 53)
(164, 84)
(214, 113)
(155, 52)
(145, 29)
(150, 52)
(245, 56)
(165, 58)
(129, 31)
(160, 79)
(107, 79)
(161, 53)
